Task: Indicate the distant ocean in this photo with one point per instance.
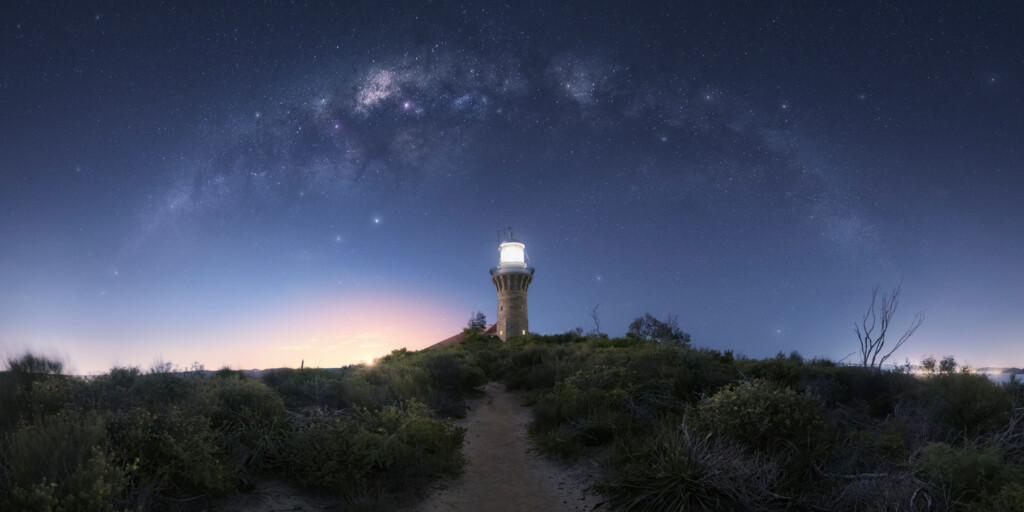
(1001, 378)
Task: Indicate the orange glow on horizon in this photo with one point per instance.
(328, 332)
(336, 333)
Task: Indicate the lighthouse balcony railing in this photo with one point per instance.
(509, 269)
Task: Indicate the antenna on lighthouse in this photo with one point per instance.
(506, 235)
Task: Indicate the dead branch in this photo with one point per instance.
(879, 315)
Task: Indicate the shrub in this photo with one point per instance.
(879, 391)
(174, 450)
(762, 414)
(1010, 498)
(966, 403)
(31, 365)
(651, 329)
(532, 365)
(456, 376)
(60, 463)
(251, 419)
(785, 371)
(678, 469)
(157, 391)
(581, 410)
(594, 406)
(308, 387)
(26, 375)
(971, 475)
(236, 399)
(387, 450)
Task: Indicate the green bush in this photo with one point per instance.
(879, 391)
(967, 404)
(175, 450)
(60, 463)
(33, 387)
(116, 388)
(157, 391)
(678, 469)
(1010, 498)
(973, 475)
(137, 440)
(456, 377)
(238, 398)
(763, 415)
(594, 406)
(308, 387)
(391, 449)
(533, 363)
(250, 417)
(582, 410)
(785, 371)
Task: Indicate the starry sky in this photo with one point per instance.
(266, 184)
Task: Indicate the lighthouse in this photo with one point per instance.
(511, 278)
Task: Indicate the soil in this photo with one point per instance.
(505, 473)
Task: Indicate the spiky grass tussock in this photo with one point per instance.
(683, 470)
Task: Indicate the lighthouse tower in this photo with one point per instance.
(512, 277)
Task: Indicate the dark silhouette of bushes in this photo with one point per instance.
(61, 463)
(972, 477)
(156, 440)
(380, 452)
(967, 404)
(670, 422)
(675, 427)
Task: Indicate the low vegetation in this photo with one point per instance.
(163, 440)
(682, 428)
(674, 427)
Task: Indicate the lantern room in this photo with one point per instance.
(511, 254)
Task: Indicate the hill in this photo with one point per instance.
(672, 427)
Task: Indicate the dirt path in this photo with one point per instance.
(504, 472)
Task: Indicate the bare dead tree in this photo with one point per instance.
(873, 349)
(597, 321)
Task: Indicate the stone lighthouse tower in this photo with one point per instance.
(512, 277)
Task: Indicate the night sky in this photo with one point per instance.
(258, 185)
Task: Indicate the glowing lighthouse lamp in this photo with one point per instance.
(511, 278)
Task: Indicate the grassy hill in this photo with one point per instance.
(675, 427)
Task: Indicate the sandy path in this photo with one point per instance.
(504, 472)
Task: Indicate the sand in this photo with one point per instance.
(505, 472)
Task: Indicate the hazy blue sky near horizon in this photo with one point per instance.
(259, 184)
